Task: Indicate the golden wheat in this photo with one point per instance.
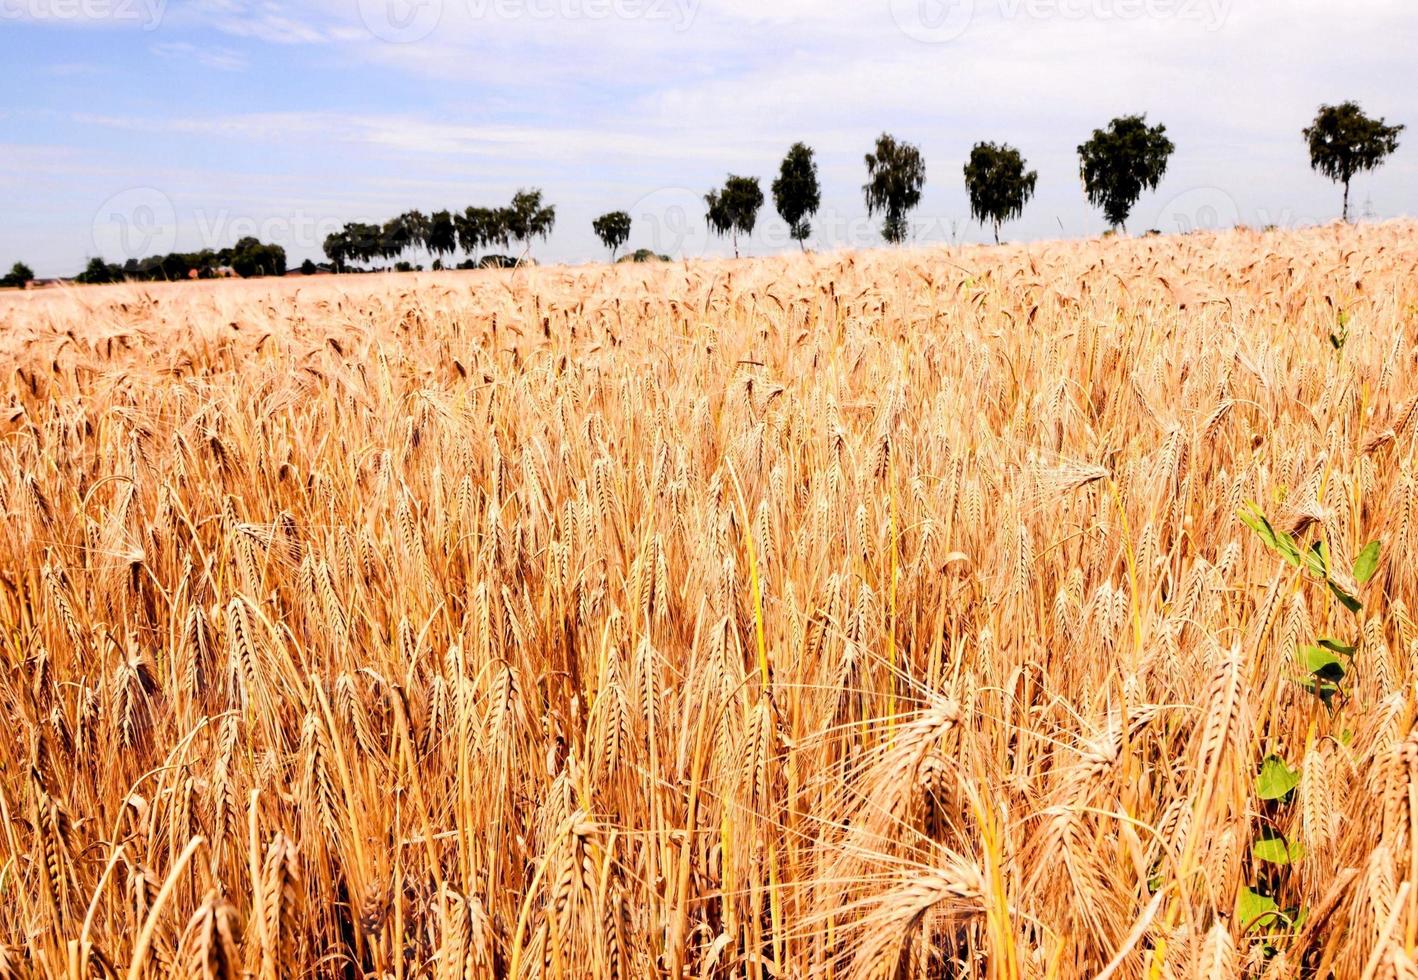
(882, 614)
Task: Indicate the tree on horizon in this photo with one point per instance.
(796, 193)
(896, 173)
(734, 208)
(19, 276)
(613, 229)
(527, 218)
(1118, 163)
(442, 237)
(998, 184)
(1344, 142)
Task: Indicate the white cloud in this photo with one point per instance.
(609, 102)
(146, 15)
(258, 20)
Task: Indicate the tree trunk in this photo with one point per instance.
(1346, 202)
(736, 244)
(996, 232)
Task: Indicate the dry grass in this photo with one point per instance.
(852, 616)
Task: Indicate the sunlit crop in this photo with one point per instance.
(929, 613)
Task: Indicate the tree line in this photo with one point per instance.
(444, 233)
(248, 258)
(1116, 164)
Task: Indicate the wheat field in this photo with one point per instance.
(863, 615)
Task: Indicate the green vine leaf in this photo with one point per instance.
(1254, 910)
(1321, 663)
(1276, 779)
(1367, 563)
(1348, 601)
(1274, 849)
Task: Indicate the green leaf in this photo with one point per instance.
(1252, 517)
(1321, 663)
(1314, 562)
(1367, 563)
(1288, 549)
(1320, 553)
(1277, 541)
(1345, 599)
(1329, 643)
(1276, 779)
(1275, 849)
(1322, 689)
(1252, 909)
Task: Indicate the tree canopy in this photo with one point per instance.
(1119, 162)
(796, 193)
(443, 232)
(895, 175)
(1344, 141)
(20, 276)
(249, 257)
(998, 183)
(479, 227)
(613, 229)
(442, 235)
(395, 238)
(734, 208)
(527, 218)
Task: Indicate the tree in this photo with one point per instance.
(997, 183)
(442, 238)
(20, 276)
(645, 255)
(366, 240)
(477, 228)
(1344, 142)
(1117, 163)
(527, 219)
(895, 175)
(250, 257)
(465, 231)
(337, 249)
(613, 229)
(394, 238)
(796, 194)
(308, 268)
(98, 271)
(355, 242)
(173, 267)
(416, 226)
(734, 208)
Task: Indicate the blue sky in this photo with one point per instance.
(144, 125)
